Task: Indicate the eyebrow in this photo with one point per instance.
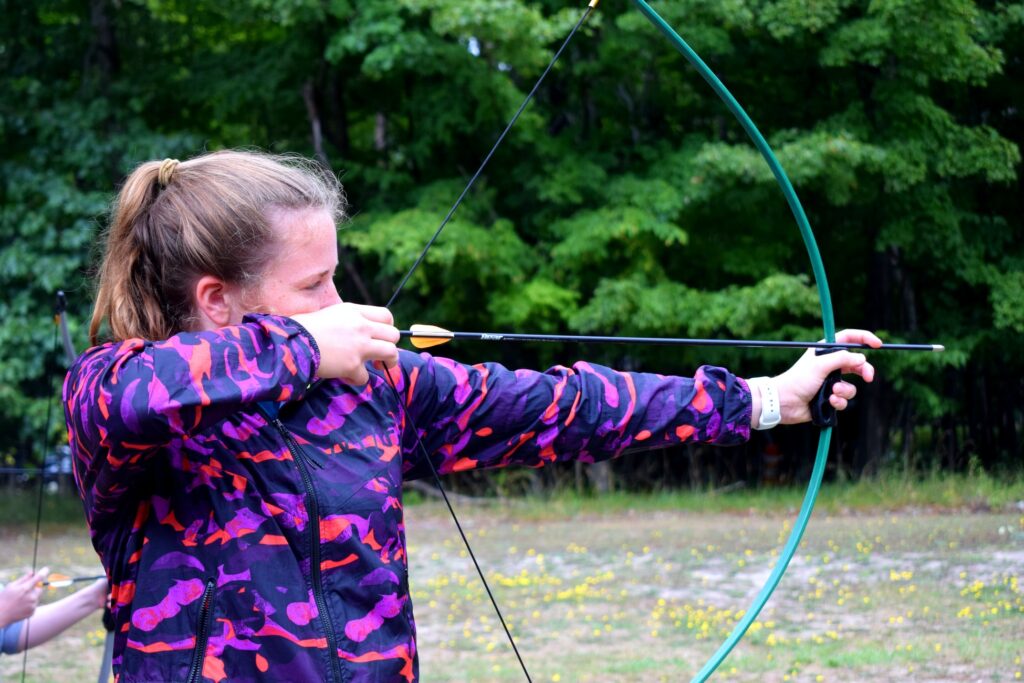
(320, 275)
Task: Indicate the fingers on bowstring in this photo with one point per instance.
(381, 351)
(377, 314)
(384, 332)
(31, 578)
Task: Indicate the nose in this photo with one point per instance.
(331, 296)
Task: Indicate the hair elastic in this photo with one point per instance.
(167, 171)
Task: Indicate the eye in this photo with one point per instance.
(323, 280)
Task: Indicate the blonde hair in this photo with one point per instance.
(174, 222)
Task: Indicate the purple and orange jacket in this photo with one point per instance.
(250, 517)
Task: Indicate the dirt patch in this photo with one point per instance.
(641, 598)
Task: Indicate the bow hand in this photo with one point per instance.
(813, 389)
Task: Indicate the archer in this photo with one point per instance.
(241, 435)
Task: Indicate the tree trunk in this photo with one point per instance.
(338, 134)
(872, 440)
(315, 128)
(600, 475)
(103, 59)
(380, 137)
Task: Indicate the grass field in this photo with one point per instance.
(644, 589)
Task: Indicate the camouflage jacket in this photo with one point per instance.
(250, 517)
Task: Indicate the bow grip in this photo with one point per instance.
(822, 412)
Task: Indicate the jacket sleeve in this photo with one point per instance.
(125, 402)
(488, 416)
(9, 637)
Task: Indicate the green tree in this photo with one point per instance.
(625, 201)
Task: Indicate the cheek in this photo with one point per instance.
(271, 297)
(297, 301)
(302, 301)
(281, 298)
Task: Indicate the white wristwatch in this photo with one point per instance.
(771, 409)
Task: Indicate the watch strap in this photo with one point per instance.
(771, 406)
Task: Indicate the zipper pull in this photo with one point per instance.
(298, 451)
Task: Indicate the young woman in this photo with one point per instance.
(240, 448)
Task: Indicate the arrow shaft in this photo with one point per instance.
(662, 341)
(60, 583)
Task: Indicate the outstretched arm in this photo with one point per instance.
(53, 619)
(483, 416)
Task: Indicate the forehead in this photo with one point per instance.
(306, 242)
(304, 229)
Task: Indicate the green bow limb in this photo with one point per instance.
(828, 322)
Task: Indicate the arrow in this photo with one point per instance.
(427, 336)
(63, 581)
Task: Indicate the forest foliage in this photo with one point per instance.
(625, 201)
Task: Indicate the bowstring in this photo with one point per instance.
(483, 164)
(58, 316)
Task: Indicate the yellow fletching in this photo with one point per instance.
(56, 580)
(427, 342)
(438, 336)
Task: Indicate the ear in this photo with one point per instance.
(217, 303)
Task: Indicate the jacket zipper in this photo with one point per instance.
(202, 634)
(302, 460)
